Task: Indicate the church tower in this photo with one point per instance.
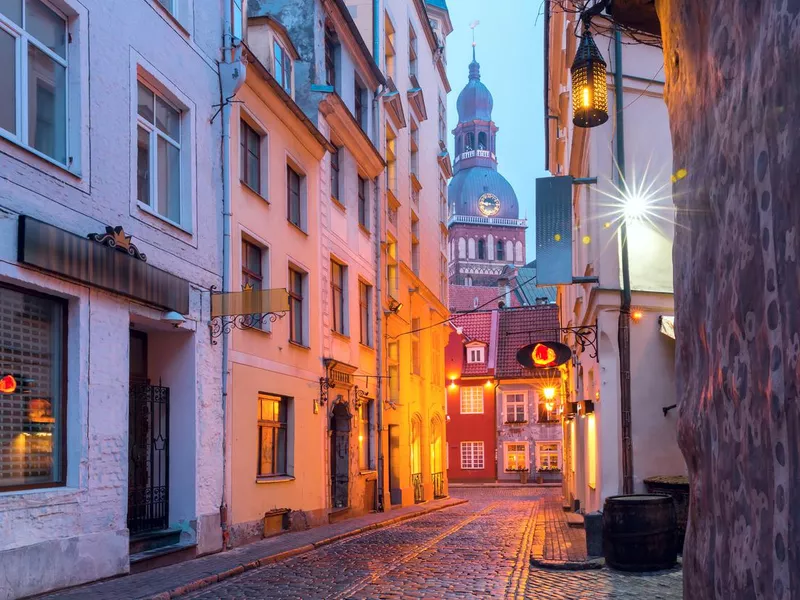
(485, 231)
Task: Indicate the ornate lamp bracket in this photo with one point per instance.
(585, 335)
(221, 325)
(359, 397)
(325, 384)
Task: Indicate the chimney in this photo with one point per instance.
(505, 289)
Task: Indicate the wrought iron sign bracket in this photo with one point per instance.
(585, 335)
(359, 397)
(221, 325)
(325, 384)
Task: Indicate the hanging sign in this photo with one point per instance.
(8, 384)
(543, 355)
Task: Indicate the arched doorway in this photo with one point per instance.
(437, 466)
(416, 458)
(340, 456)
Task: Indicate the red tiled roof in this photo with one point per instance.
(463, 297)
(476, 327)
(520, 327)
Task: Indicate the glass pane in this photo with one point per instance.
(8, 100)
(47, 105)
(280, 452)
(168, 119)
(169, 180)
(237, 19)
(46, 26)
(143, 165)
(145, 103)
(279, 64)
(253, 175)
(31, 345)
(12, 9)
(266, 464)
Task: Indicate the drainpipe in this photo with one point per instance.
(231, 78)
(376, 29)
(624, 328)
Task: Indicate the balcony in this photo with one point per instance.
(474, 154)
(501, 222)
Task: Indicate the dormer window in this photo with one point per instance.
(283, 67)
(475, 354)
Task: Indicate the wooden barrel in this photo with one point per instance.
(639, 532)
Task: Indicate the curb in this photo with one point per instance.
(273, 558)
(567, 565)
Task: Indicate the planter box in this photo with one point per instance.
(678, 488)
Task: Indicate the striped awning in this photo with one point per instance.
(667, 325)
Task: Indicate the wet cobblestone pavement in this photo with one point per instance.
(476, 550)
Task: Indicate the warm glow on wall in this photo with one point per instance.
(591, 443)
(637, 316)
(572, 448)
(488, 383)
(549, 393)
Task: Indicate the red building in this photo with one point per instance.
(470, 359)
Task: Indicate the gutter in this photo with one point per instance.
(546, 85)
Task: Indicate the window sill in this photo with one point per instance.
(274, 478)
(146, 209)
(299, 345)
(364, 230)
(366, 346)
(368, 472)
(253, 191)
(257, 329)
(13, 140)
(338, 204)
(173, 19)
(339, 334)
(512, 423)
(298, 227)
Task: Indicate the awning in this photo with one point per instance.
(667, 325)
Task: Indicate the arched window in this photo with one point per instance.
(459, 144)
(462, 248)
(501, 254)
(482, 140)
(471, 247)
(468, 281)
(518, 252)
(470, 142)
(481, 250)
(509, 251)
(490, 244)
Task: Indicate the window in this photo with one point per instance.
(548, 456)
(475, 354)
(168, 4)
(338, 297)
(482, 140)
(238, 19)
(366, 452)
(516, 456)
(470, 143)
(472, 455)
(472, 400)
(330, 56)
(442, 122)
(391, 160)
(481, 250)
(283, 67)
(335, 156)
(414, 148)
(391, 269)
(297, 307)
(412, 51)
(394, 383)
(365, 313)
(500, 251)
(158, 172)
(415, 365)
(272, 444)
(250, 152)
(252, 275)
(516, 407)
(33, 81)
(388, 45)
(358, 105)
(546, 408)
(32, 395)
(363, 203)
(294, 195)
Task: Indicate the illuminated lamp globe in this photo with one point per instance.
(549, 393)
(589, 88)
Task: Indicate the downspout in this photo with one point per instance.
(546, 85)
(376, 29)
(231, 77)
(624, 327)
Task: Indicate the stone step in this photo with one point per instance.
(141, 542)
(574, 520)
(162, 556)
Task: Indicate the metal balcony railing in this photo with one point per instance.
(419, 491)
(438, 485)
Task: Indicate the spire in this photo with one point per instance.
(474, 67)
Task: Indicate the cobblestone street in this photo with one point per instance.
(476, 550)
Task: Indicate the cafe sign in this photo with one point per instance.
(543, 355)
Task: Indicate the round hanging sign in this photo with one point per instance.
(543, 355)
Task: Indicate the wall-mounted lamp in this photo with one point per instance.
(585, 408)
(395, 306)
(549, 393)
(589, 89)
(637, 315)
(173, 318)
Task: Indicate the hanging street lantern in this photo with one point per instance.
(589, 88)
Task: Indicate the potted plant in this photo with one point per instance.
(541, 471)
(523, 474)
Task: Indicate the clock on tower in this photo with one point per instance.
(489, 204)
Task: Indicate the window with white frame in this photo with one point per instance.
(472, 400)
(282, 67)
(296, 197)
(516, 407)
(516, 458)
(472, 455)
(546, 408)
(250, 157)
(547, 456)
(475, 354)
(158, 158)
(237, 13)
(255, 277)
(33, 79)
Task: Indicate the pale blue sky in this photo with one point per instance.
(509, 51)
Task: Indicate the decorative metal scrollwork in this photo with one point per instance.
(359, 397)
(325, 384)
(223, 325)
(115, 237)
(584, 336)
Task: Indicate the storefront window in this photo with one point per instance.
(32, 394)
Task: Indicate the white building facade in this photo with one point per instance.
(110, 420)
(593, 430)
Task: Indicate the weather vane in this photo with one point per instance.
(472, 26)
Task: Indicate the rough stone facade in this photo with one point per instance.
(732, 73)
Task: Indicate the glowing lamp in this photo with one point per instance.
(589, 89)
(543, 355)
(549, 406)
(549, 393)
(637, 316)
(8, 385)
